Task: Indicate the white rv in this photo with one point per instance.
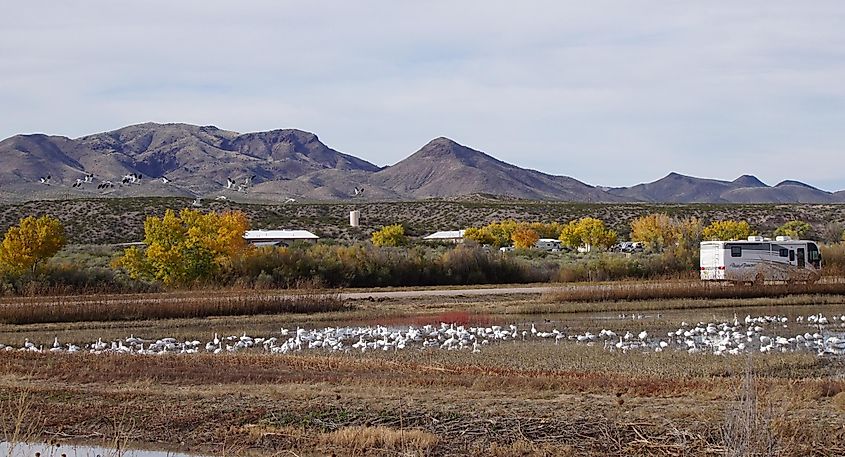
(760, 259)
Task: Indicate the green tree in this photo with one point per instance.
(390, 235)
(589, 233)
(31, 242)
(186, 247)
(794, 229)
(727, 230)
(524, 238)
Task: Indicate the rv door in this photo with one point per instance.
(801, 259)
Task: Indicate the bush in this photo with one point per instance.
(609, 267)
(833, 259)
(369, 266)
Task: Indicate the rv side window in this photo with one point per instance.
(791, 255)
(784, 252)
(736, 251)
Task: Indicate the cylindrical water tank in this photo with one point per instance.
(354, 218)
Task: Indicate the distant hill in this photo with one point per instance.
(444, 168)
(275, 166)
(677, 188)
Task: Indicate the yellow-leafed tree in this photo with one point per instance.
(727, 230)
(524, 237)
(589, 233)
(479, 235)
(795, 229)
(656, 231)
(660, 232)
(186, 247)
(31, 242)
(390, 235)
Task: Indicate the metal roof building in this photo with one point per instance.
(455, 236)
(277, 237)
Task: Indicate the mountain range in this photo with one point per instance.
(277, 165)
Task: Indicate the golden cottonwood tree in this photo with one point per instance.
(660, 232)
(795, 229)
(524, 237)
(31, 242)
(186, 247)
(727, 230)
(390, 235)
(587, 232)
(479, 235)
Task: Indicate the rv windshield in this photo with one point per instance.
(813, 255)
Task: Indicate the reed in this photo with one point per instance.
(82, 309)
(681, 290)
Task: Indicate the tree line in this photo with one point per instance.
(190, 246)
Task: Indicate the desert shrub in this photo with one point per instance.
(609, 267)
(69, 278)
(364, 265)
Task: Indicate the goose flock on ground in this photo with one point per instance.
(822, 335)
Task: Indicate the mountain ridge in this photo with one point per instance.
(294, 164)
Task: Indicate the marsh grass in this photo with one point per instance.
(20, 423)
(629, 291)
(75, 309)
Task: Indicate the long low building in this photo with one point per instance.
(448, 236)
(278, 237)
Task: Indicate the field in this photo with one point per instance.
(121, 220)
(553, 384)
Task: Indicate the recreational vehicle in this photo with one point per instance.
(759, 259)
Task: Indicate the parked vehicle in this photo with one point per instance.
(759, 259)
(628, 246)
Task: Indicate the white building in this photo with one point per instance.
(278, 237)
(448, 236)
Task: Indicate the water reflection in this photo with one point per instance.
(74, 450)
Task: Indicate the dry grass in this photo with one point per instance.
(79, 309)
(318, 405)
(18, 421)
(692, 290)
(363, 440)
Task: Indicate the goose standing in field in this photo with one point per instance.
(717, 338)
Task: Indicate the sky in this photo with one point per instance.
(611, 93)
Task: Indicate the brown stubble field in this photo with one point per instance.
(513, 398)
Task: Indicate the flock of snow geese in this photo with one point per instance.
(821, 335)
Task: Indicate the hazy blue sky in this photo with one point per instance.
(609, 92)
